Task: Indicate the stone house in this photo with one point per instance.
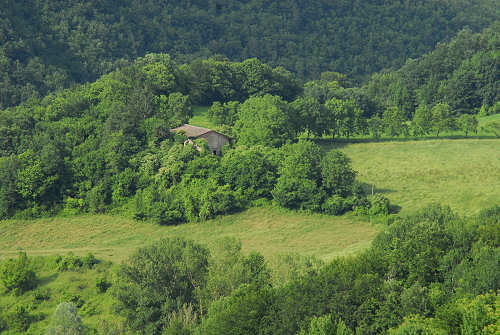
(214, 139)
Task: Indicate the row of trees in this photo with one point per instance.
(268, 120)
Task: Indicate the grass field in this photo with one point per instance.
(463, 173)
(267, 230)
(200, 117)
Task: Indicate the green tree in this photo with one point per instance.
(251, 269)
(343, 117)
(422, 120)
(9, 197)
(264, 120)
(394, 122)
(66, 321)
(467, 123)
(17, 274)
(224, 114)
(376, 126)
(298, 185)
(239, 314)
(325, 325)
(250, 171)
(442, 118)
(160, 279)
(337, 175)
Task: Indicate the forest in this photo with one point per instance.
(51, 44)
(91, 90)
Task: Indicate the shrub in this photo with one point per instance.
(75, 299)
(66, 321)
(70, 262)
(102, 285)
(89, 261)
(334, 205)
(41, 294)
(3, 324)
(17, 274)
(379, 205)
(360, 205)
(19, 319)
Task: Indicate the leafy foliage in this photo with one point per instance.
(160, 279)
(45, 47)
(66, 321)
(17, 274)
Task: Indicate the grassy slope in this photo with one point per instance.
(462, 173)
(79, 286)
(267, 230)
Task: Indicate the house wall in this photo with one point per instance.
(215, 141)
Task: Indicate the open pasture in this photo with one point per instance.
(269, 231)
(462, 173)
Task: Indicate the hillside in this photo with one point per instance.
(462, 173)
(464, 73)
(412, 174)
(270, 231)
(46, 45)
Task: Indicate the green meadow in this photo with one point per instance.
(462, 173)
(268, 230)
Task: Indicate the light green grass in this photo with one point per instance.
(463, 173)
(200, 117)
(269, 231)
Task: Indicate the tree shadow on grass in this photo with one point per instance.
(394, 209)
(44, 280)
(372, 189)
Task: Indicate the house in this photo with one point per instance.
(214, 139)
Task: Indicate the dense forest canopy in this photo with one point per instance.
(46, 45)
(464, 73)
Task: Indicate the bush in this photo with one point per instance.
(75, 299)
(89, 261)
(334, 205)
(41, 294)
(17, 274)
(102, 285)
(379, 205)
(70, 262)
(3, 324)
(19, 319)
